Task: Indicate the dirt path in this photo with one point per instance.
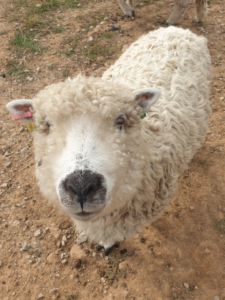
(182, 255)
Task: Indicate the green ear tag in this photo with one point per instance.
(143, 116)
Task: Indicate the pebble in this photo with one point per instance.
(25, 198)
(25, 246)
(38, 69)
(40, 296)
(64, 261)
(207, 250)
(221, 98)
(64, 240)
(7, 164)
(24, 150)
(4, 185)
(216, 298)
(186, 285)
(90, 39)
(37, 233)
(192, 208)
(142, 240)
(174, 295)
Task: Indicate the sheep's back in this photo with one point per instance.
(177, 62)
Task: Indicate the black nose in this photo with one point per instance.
(83, 185)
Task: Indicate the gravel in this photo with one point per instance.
(37, 233)
(186, 285)
(7, 164)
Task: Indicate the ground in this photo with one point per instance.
(180, 256)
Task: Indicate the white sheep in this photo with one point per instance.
(179, 9)
(98, 158)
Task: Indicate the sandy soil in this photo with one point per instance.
(182, 255)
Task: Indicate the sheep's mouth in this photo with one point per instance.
(85, 216)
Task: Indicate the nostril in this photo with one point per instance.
(94, 186)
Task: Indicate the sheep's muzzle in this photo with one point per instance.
(83, 194)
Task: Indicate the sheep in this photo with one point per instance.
(109, 151)
(179, 10)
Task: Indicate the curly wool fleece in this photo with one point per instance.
(145, 161)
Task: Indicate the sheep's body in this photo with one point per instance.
(179, 10)
(142, 163)
(177, 62)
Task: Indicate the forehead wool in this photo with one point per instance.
(85, 95)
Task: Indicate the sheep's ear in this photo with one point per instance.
(146, 98)
(21, 109)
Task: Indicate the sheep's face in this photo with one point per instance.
(89, 144)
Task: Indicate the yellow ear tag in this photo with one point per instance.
(31, 126)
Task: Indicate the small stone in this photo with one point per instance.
(142, 240)
(25, 246)
(64, 261)
(37, 233)
(64, 240)
(216, 298)
(38, 69)
(207, 250)
(25, 198)
(174, 295)
(186, 285)
(7, 164)
(103, 279)
(24, 150)
(40, 296)
(192, 208)
(4, 185)
(221, 98)
(90, 39)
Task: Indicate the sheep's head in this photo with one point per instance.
(89, 143)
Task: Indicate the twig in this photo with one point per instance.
(23, 285)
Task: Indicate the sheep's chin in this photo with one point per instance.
(85, 216)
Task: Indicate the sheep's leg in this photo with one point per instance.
(201, 10)
(127, 8)
(179, 10)
(108, 247)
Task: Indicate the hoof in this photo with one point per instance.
(133, 13)
(99, 248)
(109, 250)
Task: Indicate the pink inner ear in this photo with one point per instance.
(143, 97)
(23, 107)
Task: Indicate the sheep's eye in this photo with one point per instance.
(119, 122)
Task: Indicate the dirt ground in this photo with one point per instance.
(182, 255)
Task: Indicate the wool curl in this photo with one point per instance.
(157, 149)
